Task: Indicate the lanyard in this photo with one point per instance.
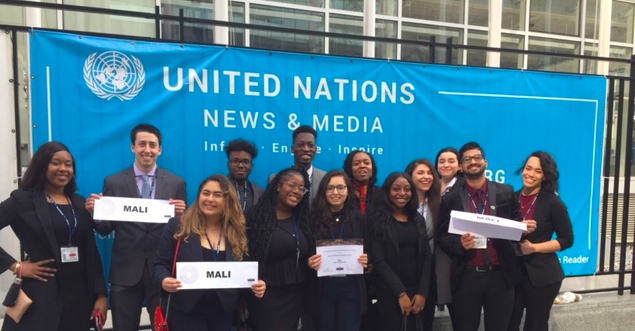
(482, 212)
(68, 224)
(220, 236)
(296, 236)
(341, 230)
(245, 194)
(154, 182)
(531, 206)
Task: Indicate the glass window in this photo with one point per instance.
(12, 15)
(416, 53)
(201, 33)
(590, 66)
(514, 14)
(553, 63)
(312, 3)
(437, 10)
(386, 7)
(352, 5)
(350, 25)
(388, 29)
(109, 23)
(478, 12)
(287, 18)
(555, 16)
(622, 22)
(237, 14)
(475, 57)
(512, 60)
(592, 19)
(618, 68)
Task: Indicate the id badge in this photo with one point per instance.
(69, 254)
(480, 242)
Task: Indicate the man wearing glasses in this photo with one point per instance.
(484, 271)
(241, 154)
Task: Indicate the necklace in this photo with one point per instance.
(528, 203)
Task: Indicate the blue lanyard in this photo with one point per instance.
(215, 254)
(530, 206)
(482, 212)
(245, 194)
(341, 231)
(68, 224)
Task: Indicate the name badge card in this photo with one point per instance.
(216, 275)
(69, 254)
(485, 226)
(133, 210)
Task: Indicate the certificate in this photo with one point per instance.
(213, 275)
(485, 226)
(339, 257)
(133, 210)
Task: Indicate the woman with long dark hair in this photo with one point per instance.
(448, 166)
(62, 273)
(539, 201)
(426, 182)
(211, 230)
(335, 216)
(280, 239)
(360, 167)
(400, 252)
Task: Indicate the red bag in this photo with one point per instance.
(160, 318)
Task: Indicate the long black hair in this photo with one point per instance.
(34, 179)
(262, 218)
(381, 211)
(549, 170)
(321, 215)
(434, 193)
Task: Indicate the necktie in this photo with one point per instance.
(146, 188)
(480, 209)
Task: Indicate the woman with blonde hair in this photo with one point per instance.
(211, 230)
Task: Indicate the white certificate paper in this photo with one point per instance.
(339, 257)
(215, 275)
(485, 226)
(133, 210)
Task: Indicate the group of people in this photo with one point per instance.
(411, 262)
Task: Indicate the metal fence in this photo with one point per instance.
(615, 245)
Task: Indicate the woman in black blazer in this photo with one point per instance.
(539, 201)
(400, 253)
(49, 218)
(211, 230)
(339, 302)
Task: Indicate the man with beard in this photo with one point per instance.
(484, 271)
(241, 154)
(304, 149)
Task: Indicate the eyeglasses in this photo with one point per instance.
(236, 162)
(339, 188)
(293, 186)
(468, 159)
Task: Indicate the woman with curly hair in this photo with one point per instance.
(360, 167)
(341, 301)
(211, 230)
(401, 253)
(278, 229)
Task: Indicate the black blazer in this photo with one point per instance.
(28, 215)
(314, 289)
(551, 216)
(505, 204)
(190, 251)
(386, 261)
(136, 243)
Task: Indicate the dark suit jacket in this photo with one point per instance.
(387, 263)
(136, 243)
(551, 216)
(28, 215)
(505, 205)
(190, 251)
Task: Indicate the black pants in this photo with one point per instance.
(126, 302)
(486, 290)
(537, 302)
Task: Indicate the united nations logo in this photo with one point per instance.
(107, 206)
(188, 274)
(114, 74)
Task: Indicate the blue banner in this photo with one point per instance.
(89, 93)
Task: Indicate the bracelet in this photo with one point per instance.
(18, 265)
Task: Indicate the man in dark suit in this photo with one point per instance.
(135, 246)
(484, 271)
(241, 154)
(304, 149)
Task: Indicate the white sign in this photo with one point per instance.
(133, 210)
(212, 275)
(339, 260)
(485, 226)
